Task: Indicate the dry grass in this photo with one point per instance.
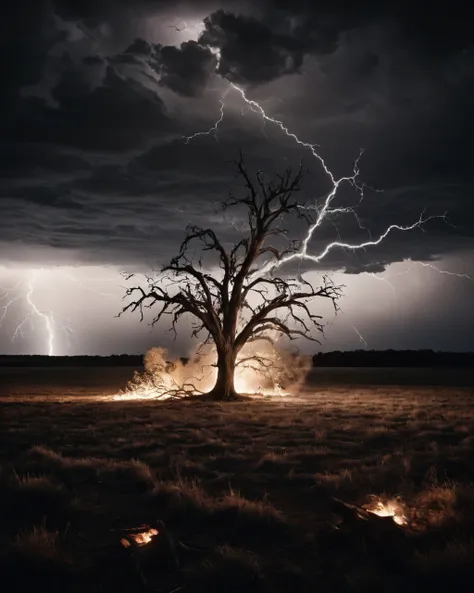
(244, 489)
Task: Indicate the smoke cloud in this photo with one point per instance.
(261, 369)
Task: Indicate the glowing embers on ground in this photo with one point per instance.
(387, 508)
(139, 538)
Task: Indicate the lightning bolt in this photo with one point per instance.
(361, 337)
(25, 291)
(6, 305)
(88, 288)
(33, 311)
(46, 317)
(325, 210)
(257, 108)
(213, 129)
(303, 253)
(383, 279)
(440, 271)
(425, 265)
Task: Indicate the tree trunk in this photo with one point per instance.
(224, 388)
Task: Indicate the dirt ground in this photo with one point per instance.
(244, 491)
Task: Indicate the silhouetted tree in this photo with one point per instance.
(239, 303)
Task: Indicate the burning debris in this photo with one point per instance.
(376, 529)
(390, 508)
(163, 379)
(151, 552)
(139, 538)
(377, 507)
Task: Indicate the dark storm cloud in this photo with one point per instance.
(100, 138)
(29, 34)
(440, 26)
(93, 60)
(107, 217)
(117, 115)
(97, 96)
(250, 51)
(133, 214)
(187, 69)
(372, 268)
(140, 47)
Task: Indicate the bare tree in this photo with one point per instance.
(238, 304)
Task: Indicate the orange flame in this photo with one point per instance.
(143, 538)
(390, 508)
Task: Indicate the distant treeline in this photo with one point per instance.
(116, 360)
(394, 358)
(356, 358)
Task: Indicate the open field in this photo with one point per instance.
(245, 490)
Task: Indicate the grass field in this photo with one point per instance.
(245, 491)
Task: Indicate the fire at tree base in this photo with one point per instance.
(261, 370)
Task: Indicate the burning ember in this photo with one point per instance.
(141, 538)
(390, 508)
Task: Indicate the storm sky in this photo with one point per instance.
(97, 177)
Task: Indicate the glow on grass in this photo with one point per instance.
(245, 381)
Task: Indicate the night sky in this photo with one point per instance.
(97, 176)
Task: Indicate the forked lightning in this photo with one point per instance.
(49, 327)
(27, 295)
(324, 211)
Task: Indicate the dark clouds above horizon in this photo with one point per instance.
(97, 96)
